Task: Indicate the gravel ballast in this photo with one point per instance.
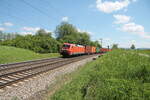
(30, 87)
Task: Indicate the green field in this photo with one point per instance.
(144, 51)
(12, 54)
(118, 75)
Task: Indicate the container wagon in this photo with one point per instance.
(90, 49)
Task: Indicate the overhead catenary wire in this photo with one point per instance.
(57, 10)
(10, 15)
(37, 9)
(8, 5)
(13, 16)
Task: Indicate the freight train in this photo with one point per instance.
(69, 49)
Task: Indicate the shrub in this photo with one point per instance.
(118, 75)
(37, 43)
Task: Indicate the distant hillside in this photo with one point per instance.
(12, 54)
(143, 48)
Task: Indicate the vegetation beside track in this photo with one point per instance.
(12, 54)
(144, 51)
(44, 42)
(118, 75)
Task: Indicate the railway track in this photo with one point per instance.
(14, 73)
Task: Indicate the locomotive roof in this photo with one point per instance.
(69, 44)
(73, 44)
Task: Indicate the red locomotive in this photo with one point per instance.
(72, 49)
(69, 49)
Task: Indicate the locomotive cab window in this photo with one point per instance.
(66, 46)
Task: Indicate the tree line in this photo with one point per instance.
(43, 42)
(115, 46)
(7, 36)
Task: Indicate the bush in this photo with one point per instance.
(118, 75)
(37, 43)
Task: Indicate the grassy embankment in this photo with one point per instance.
(119, 75)
(12, 54)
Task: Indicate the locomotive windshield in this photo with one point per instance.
(66, 46)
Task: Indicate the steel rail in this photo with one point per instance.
(27, 66)
(17, 76)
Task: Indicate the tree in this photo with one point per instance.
(1, 35)
(37, 43)
(64, 29)
(83, 38)
(132, 46)
(7, 36)
(42, 32)
(97, 44)
(66, 32)
(115, 46)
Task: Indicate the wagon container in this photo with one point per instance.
(90, 49)
(97, 50)
(104, 50)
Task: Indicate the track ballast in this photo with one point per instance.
(14, 73)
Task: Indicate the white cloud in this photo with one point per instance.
(31, 29)
(120, 19)
(79, 30)
(90, 33)
(133, 41)
(48, 30)
(8, 24)
(130, 27)
(133, 28)
(65, 19)
(109, 6)
(2, 29)
(146, 36)
(27, 33)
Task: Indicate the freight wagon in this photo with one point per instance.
(90, 49)
(104, 50)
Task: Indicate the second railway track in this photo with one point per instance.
(14, 73)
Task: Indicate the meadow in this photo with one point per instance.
(118, 75)
(12, 54)
(144, 51)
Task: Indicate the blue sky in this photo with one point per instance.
(124, 22)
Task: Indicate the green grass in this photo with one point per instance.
(118, 75)
(144, 51)
(12, 54)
